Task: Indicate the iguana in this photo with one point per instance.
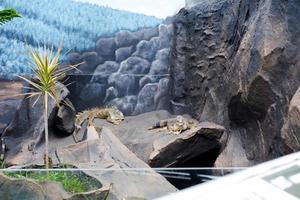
(111, 114)
(175, 125)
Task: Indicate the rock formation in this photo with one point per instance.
(236, 63)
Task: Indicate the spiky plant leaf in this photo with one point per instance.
(47, 74)
(7, 15)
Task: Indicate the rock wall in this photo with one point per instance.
(130, 71)
(237, 63)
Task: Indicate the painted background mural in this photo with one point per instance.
(123, 47)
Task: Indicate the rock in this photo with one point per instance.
(74, 58)
(111, 93)
(162, 96)
(91, 60)
(290, 131)
(123, 53)
(106, 47)
(125, 104)
(125, 84)
(110, 154)
(30, 189)
(21, 144)
(103, 71)
(64, 121)
(147, 79)
(9, 103)
(161, 149)
(165, 35)
(241, 71)
(145, 101)
(147, 49)
(134, 65)
(146, 33)
(93, 94)
(125, 38)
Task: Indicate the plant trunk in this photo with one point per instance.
(46, 130)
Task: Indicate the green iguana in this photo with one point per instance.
(112, 115)
(175, 125)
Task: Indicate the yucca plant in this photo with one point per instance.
(7, 15)
(47, 75)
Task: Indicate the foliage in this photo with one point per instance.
(70, 181)
(78, 25)
(7, 15)
(47, 75)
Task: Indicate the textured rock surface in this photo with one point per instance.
(26, 131)
(236, 63)
(9, 103)
(160, 148)
(110, 154)
(127, 62)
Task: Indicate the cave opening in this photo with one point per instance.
(188, 177)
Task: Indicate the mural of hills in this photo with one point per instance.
(77, 25)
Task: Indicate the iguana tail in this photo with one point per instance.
(159, 124)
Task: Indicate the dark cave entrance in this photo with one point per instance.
(186, 178)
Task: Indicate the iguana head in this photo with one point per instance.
(115, 116)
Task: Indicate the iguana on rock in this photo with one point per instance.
(112, 115)
(175, 125)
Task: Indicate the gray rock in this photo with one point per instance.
(236, 72)
(290, 130)
(103, 71)
(64, 121)
(125, 38)
(74, 58)
(147, 79)
(91, 60)
(111, 93)
(160, 148)
(21, 144)
(125, 84)
(145, 101)
(106, 47)
(109, 153)
(93, 94)
(123, 53)
(125, 104)
(146, 33)
(147, 49)
(134, 65)
(162, 97)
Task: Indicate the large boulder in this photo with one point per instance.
(107, 152)
(147, 49)
(106, 47)
(146, 33)
(25, 133)
(145, 102)
(239, 70)
(125, 38)
(290, 132)
(90, 61)
(64, 121)
(123, 53)
(9, 102)
(103, 71)
(162, 149)
(93, 94)
(125, 84)
(134, 65)
(125, 104)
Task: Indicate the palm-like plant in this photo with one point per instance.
(47, 75)
(7, 15)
